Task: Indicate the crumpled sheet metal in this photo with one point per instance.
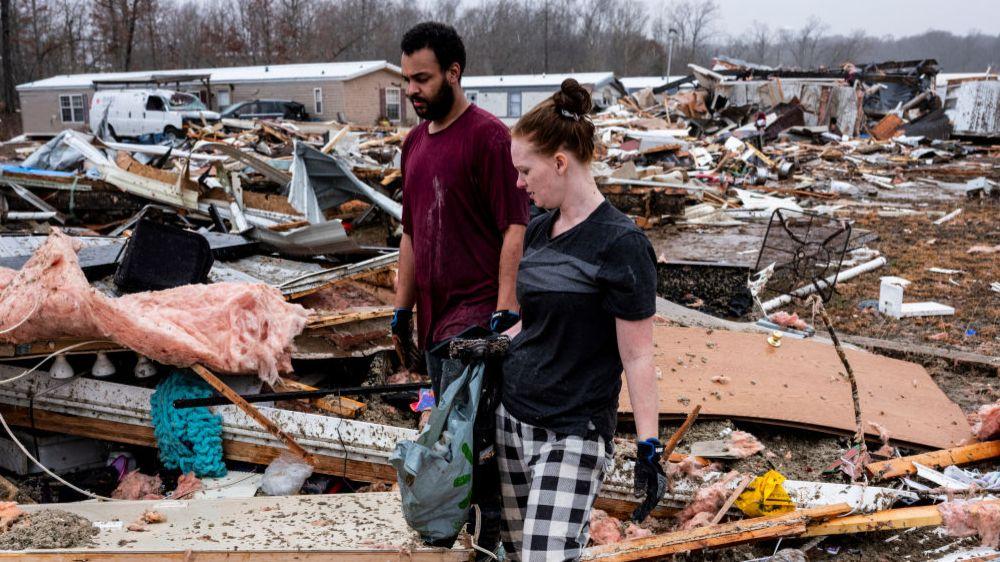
(228, 327)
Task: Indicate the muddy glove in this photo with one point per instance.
(649, 477)
(503, 320)
(402, 337)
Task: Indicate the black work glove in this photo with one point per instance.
(402, 337)
(650, 479)
(503, 320)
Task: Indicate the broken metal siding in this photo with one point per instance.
(974, 109)
(842, 104)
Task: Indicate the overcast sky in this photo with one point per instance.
(877, 17)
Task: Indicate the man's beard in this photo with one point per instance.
(438, 107)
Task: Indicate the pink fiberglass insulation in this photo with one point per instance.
(787, 320)
(604, 529)
(987, 422)
(688, 467)
(49, 298)
(187, 484)
(744, 444)
(964, 519)
(706, 503)
(9, 513)
(229, 327)
(883, 434)
(138, 486)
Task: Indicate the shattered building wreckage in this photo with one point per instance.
(806, 224)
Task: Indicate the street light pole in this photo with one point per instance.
(670, 49)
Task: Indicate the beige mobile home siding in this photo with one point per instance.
(40, 112)
(362, 101)
(301, 92)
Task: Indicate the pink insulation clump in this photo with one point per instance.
(883, 434)
(187, 484)
(9, 513)
(986, 422)
(787, 320)
(744, 444)
(604, 529)
(707, 501)
(138, 486)
(689, 467)
(965, 519)
(229, 327)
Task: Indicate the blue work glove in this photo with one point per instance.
(650, 480)
(503, 320)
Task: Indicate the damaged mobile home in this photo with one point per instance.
(195, 330)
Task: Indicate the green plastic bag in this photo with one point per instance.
(435, 470)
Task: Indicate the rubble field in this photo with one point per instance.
(202, 321)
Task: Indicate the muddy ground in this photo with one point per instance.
(913, 245)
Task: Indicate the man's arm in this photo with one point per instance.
(510, 258)
(406, 286)
(635, 345)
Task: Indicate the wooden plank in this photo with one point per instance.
(936, 459)
(715, 536)
(805, 378)
(740, 486)
(907, 348)
(196, 555)
(903, 518)
(251, 411)
(143, 435)
(337, 405)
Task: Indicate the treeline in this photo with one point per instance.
(42, 38)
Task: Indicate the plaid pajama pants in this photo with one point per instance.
(548, 483)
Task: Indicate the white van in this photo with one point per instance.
(133, 113)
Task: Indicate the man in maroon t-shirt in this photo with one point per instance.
(463, 216)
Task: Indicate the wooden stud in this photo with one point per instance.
(903, 518)
(340, 406)
(715, 536)
(935, 459)
(668, 449)
(119, 432)
(740, 486)
(254, 413)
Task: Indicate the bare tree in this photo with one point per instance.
(695, 22)
(7, 54)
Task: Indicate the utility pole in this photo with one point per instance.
(7, 52)
(545, 48)
(670, 49)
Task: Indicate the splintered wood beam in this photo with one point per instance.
(337, 405)
(903, 518)
(254, 413)
(713, 536)
(935, 459)
(119, 432)
(668, 449)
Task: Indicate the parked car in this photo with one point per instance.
(133, 113)
(266, 109)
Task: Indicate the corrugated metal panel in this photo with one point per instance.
(975, 109)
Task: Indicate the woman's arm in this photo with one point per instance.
(635, 345)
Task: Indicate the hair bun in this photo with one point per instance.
(572, 98)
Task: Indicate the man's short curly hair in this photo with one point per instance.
(438, 37)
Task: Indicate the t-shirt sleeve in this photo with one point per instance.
(498, 177)
(407, 219)
(628, 278)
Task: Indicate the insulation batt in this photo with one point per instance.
(744, 444)
(706, 503)
(228, 327)
(965, 519)
(138, 486)
(787, 320)
(9, 513)
(604, 529)
(987, 422)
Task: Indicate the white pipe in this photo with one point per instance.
(835, 278)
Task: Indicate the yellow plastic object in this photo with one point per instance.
(775, 339)
(765, 496)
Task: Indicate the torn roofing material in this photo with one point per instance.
(321, 182)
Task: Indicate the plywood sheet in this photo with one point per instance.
(799, 384)
(339, 525)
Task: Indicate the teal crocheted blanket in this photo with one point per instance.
(189, 439)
